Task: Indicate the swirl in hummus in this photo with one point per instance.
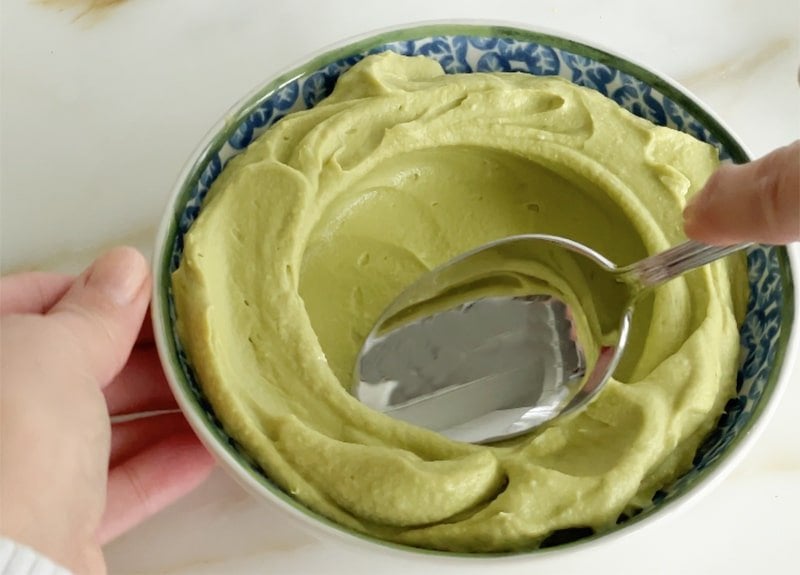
(307, 235)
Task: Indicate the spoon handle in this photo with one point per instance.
(669, 264)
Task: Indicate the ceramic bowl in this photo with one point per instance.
(765, 335)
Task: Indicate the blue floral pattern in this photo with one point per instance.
(633, 89)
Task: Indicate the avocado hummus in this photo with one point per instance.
(306, 236)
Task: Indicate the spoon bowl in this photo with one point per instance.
(510, 335)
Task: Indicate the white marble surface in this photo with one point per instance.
(99, 113)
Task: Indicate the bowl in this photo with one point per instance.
(766, 335)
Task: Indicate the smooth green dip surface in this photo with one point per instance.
(307, 235)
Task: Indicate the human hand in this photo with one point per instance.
(754, 202)
(70, 480)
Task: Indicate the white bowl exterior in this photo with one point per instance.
(326, 529)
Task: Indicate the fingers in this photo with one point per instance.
(131, 437)
(150, 480)
(146, 331)
(102, 312)
(758, 202)
(32, 292)
(140, 386)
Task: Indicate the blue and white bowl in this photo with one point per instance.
(766, 336)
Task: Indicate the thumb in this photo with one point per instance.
(103, 311)
(754, 202)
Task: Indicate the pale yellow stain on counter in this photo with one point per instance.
(741, 65)
(84, 8)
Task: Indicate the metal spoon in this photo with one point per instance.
(494, 343)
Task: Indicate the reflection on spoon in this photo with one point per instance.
(509, 336)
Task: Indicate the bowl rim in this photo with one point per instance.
(789, 260)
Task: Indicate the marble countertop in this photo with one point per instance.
(100, 107)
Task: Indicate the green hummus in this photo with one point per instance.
(311, 232)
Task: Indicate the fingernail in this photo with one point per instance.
(690, 207)
(699, 201)
(690, 211)
(119, 274)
